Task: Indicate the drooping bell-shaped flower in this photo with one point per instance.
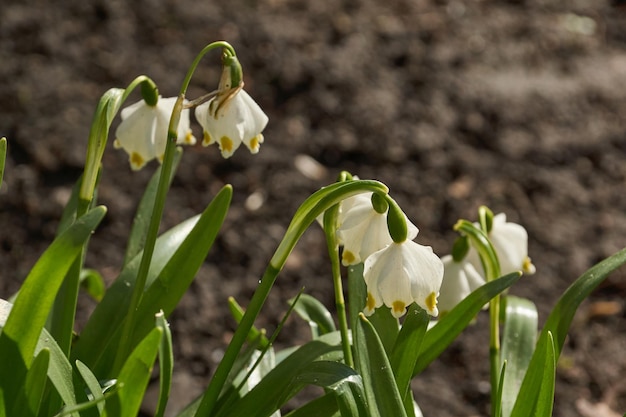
(402, 273)
(232, 117)
(459, 280)
(363, 229)
(510, 240)
(143, 130)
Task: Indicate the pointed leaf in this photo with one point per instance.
(558, 323)
(518, 344)
(381, 390)
(30, 310)
(166, 364)
(439, 337)
(30, 397)
(92, 384)
(134, 377)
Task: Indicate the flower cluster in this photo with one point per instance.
(229, 118)
(397, 270)
(463, 274)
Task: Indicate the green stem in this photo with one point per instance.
(157, 211)
(489, 258)
(330, 229)
(314, 206)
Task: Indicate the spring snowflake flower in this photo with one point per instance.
(363, 231)
(143, 131)
(459, 280)
(230, 120)
(510, 240)
(400, 274)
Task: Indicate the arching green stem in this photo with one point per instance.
(313, 206)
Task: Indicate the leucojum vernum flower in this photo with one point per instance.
(406, 305)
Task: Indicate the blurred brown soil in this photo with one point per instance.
(519, 105)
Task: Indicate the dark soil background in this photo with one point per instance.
(519, 105)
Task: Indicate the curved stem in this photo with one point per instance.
(314, 206)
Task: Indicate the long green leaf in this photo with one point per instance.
(92, 384)
(166, 364)
(137, 237)
(518, 344)
(545, 401)
(406, 350)
(558, 323)
(324, 406)
(30, 310)
(59, 368)
(372, 363)
(439, 337)
(134, 377)
(178, 255)
(31, 395)
(273, 390)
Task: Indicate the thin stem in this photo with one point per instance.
(159, 203)
(489, 258)
(330, 229)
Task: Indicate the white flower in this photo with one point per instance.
(143, 131)
(230, 119)
(510, 240)
(400, 274)
(459, 280)
(363, 231)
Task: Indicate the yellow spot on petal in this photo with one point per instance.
(136, 160)
(431, 301)
(370, 304)
(398, 308)
(207, 139)
(255, 143)
(528, 267)
(348, 257)
(189, 138)
(226, 144)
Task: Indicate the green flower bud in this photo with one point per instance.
(460, 248)
(149, 92)
(379, 203)
(396, 222)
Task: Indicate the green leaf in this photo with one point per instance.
(29, 312)
(387, 327)
(92, 282)
(59, 369)
(439, 337)
(316, 314)
(31, 395)
(324, 406)
(372, 363)
(558, 323)
(138, 232)
(276, 387)
(92, 384)
(518, 344)
(406, 349)
(134, 377)
(255, 335)
(178, 255)
(545, 401)
(166, 364)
